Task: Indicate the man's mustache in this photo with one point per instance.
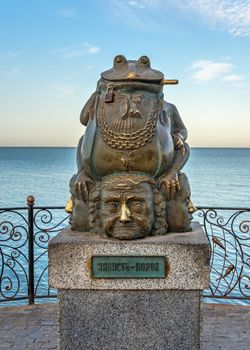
(129, 109)
(109, 224)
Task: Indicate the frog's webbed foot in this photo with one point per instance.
(83, 186)
(169, 183)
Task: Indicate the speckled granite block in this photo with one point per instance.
(187, 254)
(129, 320)
(144, 313)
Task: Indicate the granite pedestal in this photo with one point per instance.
(129, 313)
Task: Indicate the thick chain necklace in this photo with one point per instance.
(129, 141)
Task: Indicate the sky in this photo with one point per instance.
(52, 54)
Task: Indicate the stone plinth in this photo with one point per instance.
(143, 313)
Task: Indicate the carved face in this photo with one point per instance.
(127, 209)
(129, 113)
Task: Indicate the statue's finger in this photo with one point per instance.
(162, 184)
(77, 189)
(163, 187)
(183, 150)
(79, 192)
(178, 186)
(168, 191)
(173, 189)
(82, 192)
(85, 192)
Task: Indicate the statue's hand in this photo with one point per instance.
(179, 144)
(170, 184)
(82, 188)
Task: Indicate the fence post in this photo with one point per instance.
(31, 293)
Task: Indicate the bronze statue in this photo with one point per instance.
(133, 147)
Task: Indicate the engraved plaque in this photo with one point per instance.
(128, 266)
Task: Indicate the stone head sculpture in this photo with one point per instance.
(128, 206)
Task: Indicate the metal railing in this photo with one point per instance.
(26, 231)
(24, 236)
(228, 231)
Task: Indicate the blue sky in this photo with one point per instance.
(52, 53)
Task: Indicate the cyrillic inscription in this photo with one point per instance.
(128, 267)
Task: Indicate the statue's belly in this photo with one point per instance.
(147, 159)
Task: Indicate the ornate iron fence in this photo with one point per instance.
(228, 230)
(26, 231)
(24, 236)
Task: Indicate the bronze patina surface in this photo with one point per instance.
(129, 183)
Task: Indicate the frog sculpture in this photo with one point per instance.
(130, 157)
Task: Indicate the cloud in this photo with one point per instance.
(67, 13)
(230, 15)
(205, 71)
(136, 4)
(93, 49)
(76, 51)
(208, 70)
(10, 54)
(147, 3)
(137, 13)
(233, 78)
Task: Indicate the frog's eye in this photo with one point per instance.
(144, 60)
(120, 59)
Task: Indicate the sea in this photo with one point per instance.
(219, 177)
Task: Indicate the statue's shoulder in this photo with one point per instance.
(169, 112)
(169, 108)
(88, 109)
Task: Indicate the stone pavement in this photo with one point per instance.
(226, 327)
(29, 327)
